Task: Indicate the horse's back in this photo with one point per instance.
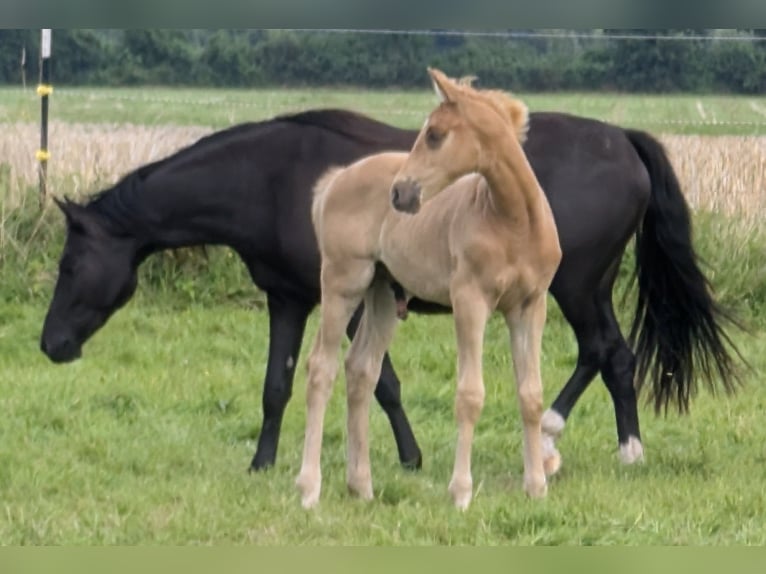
(598, 189)
(583, 160)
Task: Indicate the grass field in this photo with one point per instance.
(692, 114)
(147, 438)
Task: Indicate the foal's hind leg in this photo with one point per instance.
(526, 327)
(363, 365)
(343, 287)
(388, 395)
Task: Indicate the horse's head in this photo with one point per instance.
(97, 275)
(456, 139)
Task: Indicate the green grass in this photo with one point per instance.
(146, 440)
(682, 114)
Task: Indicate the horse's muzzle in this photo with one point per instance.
(405, 196)
(61, 351)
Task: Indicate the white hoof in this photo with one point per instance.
(553, 423)
(632, 451)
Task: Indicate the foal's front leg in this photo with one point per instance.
(471, 313)
(343, 287)
(526, 327)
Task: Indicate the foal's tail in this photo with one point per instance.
(320, 188)
(677, 331)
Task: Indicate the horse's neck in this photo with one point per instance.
(159, 219)
(512, 184)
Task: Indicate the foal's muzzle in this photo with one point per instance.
(405, 196)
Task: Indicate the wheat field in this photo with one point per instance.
(725, 174)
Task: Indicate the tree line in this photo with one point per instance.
(704, 62)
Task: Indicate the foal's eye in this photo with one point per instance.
(433, 138)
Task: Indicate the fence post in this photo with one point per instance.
(44, 90)
(24, 68)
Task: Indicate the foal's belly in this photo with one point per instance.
(420, 280)
(417, 249)
(424, 273)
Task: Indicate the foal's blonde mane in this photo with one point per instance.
(504, 102)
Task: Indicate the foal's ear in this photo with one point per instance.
(444, 87)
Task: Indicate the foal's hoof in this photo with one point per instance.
(361, 489)
(309, 489)
(553, 425)
(551, 456)
(359, 481)
(552, 464)
(536, 488)
(462, 502)
(461, 492)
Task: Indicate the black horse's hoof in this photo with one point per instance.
(414, 464)
(259, 466)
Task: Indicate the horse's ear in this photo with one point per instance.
(444, 87)
(76, 217)
(63, 205)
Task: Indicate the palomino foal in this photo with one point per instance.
(479, 244)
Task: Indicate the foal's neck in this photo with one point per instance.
(513, 184)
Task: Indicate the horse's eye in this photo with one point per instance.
(433, 138)
(66, 268)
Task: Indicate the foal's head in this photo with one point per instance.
(97, 275)
(456, 139)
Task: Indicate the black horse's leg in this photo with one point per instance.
(287, 322)
(601, 347)
(618, 370)
(554, 419)
(585, 370)
(388, 394)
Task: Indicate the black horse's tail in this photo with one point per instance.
(677, 332)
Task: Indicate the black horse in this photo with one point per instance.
(250, 187)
